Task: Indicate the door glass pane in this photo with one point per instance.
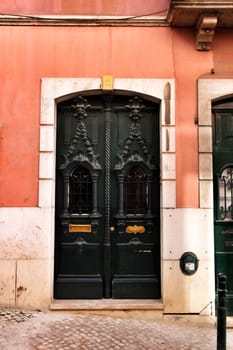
(225, 190)
(80, 191)
(135, 191)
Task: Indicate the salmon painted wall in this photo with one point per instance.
(30, 53)
(223, 52)
(85, 7)
(189, 64)
(27, 54)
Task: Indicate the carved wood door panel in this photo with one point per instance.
(107, 198)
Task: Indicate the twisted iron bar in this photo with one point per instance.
(107, 244)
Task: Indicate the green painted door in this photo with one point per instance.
(107, 226)
(223, 193)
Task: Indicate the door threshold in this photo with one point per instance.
(106, 304)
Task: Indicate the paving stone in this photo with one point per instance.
(23, 330)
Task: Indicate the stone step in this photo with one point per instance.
(107, 304)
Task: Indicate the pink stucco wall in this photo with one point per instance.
(30, 53)
(85, 7)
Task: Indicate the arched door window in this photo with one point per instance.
(135, 196)
(225, 194)
(80, 191)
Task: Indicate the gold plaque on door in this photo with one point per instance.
(135, 229)
(79, 228)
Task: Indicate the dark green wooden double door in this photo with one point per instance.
(107, 198)
(223, 193)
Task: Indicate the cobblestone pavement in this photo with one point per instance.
(24, 330)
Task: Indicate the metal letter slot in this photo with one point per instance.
(135, 229)
(228, 244)
(79, 228)
(146, 251)
(227, 232)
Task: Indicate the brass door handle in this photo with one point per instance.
(135, 229)
(111, 228)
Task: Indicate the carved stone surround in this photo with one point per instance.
(55, 89)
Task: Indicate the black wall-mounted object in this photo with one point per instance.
(188, 263)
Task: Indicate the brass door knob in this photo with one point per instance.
(111, 228)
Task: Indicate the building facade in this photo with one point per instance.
(115, 160)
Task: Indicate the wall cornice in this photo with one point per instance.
(186, 13)
(75, 21)
(181, 13)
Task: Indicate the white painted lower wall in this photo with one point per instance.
(187, 230)
(26, 257)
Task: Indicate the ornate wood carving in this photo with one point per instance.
(80, 152)
(129, 153)
(134, 152)
(135, 243)
(74, 151)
